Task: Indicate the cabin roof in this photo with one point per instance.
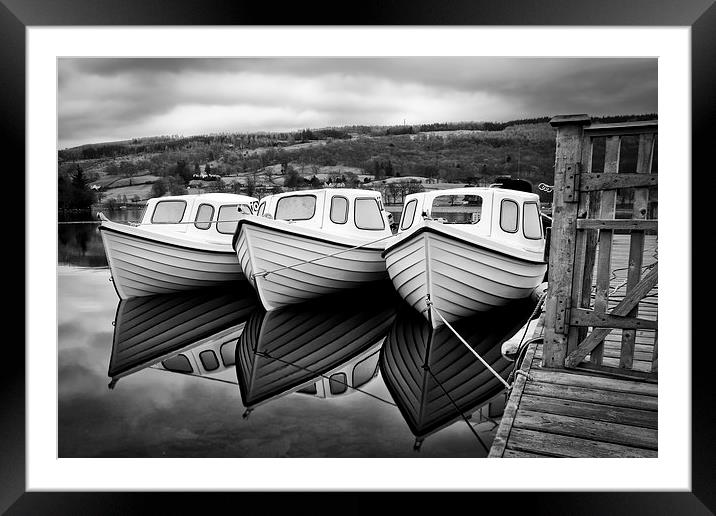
(477, 190)
(346, 192)
(211, 197)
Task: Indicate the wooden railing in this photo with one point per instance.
(588, 303)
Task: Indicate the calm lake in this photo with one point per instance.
(210, 374)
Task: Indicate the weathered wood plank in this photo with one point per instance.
(623, 128)
(533, 441)
(642, 225)
(636, 248)
(593, 382)
(587, 410)
(592, 182)
(582, 317)
(569, 392)
(602, 431)
(503, 431)
(568, 155)
(640, 369)
(624, 307)
(514, 454)
(606, 211)
(585, 249)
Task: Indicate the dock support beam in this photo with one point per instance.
(567, 167)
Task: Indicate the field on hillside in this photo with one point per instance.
(266, 163)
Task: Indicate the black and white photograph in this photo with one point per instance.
(357, 257)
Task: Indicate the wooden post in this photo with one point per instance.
(568, 156)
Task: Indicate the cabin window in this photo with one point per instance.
(168, 212)
(338, 383)
(203, 216)
(209, 360)
(339, 210)
(311, 389)
(365, 370)
(262, 207)
(228, 219)
(509, 211)
(178, 364)
(531, 223)
(367, 214)
(409, 214)
(228, 353)
(296, 207)
(457, 209)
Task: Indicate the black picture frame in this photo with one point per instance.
(700, 15)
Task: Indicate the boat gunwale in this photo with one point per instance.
(257, 223)
(430, 229)
(132, 234)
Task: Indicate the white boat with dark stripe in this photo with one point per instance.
(467, 250)
(307, 244)
(182, 243)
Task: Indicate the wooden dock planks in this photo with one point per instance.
(563, 413)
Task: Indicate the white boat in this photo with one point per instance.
(324, 348)
(467, 250)
(183, 332)
(435, 379)
(182, 243)
(306, 244)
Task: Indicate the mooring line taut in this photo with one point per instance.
(432, 306)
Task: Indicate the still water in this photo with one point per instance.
(211, 374)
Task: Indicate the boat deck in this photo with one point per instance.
(557, 413)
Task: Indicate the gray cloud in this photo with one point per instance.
(103, 99)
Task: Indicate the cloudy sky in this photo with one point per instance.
(106, 99)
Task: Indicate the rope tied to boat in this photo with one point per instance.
(431, 305)
(264, 274)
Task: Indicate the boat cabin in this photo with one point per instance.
(349, 377)
(210, 216)
(347, 211)
(507, 215)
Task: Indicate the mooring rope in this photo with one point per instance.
(497, 375)
(462, 415)
(263, 274)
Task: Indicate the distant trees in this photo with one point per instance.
(74, 192)
(293, 178)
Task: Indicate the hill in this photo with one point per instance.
(262, 163)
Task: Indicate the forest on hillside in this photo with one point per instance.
(450, 152)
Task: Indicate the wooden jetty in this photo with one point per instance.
(588, 386)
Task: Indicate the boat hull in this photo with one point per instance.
(460, 277)
(288, 267)
(142, 266)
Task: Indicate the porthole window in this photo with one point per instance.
(228, 353)
(296, 207)
(367, 214)
(408, 214)
(178, 364)
(203, 216)
(228, 219)
(365, 370)
(168, 212)
(339, 210)
(337, 383)
(209, 360)
(531, 223)
(509, 215)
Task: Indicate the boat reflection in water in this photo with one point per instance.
(324, 348)
(192, 332)
(434, 378)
